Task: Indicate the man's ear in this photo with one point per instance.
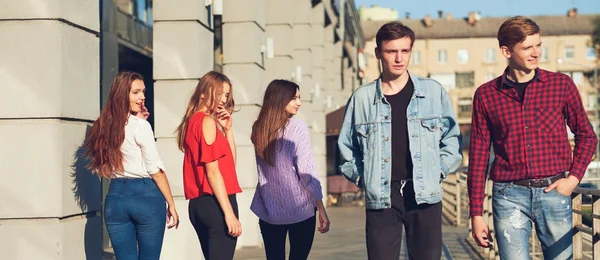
(377, 54)
(506, 52)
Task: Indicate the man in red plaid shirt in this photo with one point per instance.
(524, 114)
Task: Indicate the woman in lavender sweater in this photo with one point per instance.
(288, 191)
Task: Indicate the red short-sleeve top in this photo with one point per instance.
(197, 153)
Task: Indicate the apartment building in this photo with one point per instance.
(462, 54)
(57, 62)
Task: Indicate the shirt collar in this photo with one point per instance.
(540, 75)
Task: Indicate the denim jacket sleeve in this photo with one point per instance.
(450, 151)
(351, 157)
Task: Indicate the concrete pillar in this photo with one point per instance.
(333, 67)
(279, 31)
(50, 75)
(244, 40)
(318, 96)
(302, 50)
(183, 52)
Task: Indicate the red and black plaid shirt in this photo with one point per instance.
(530, 137)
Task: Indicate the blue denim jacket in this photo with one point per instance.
(365, 141)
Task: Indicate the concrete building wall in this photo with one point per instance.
(377, 13)
(183, 52)
(244, 40)
(49, 54)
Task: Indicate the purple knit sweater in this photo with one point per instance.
(286, 193)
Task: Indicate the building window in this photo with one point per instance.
(544, 54)
(463, 56)
(592, 101)
(465, 106)
(576, 76)
(590, 53)
(442, 56)
(569, 52)
(446, 79)
(489, 76)
(465, 79)
(416, 57)
(490, 56)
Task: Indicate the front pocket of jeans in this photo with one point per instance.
(500, 188)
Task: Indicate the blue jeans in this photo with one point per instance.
(516, 207)
(135, 215)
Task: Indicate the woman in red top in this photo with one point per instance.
(210, 183)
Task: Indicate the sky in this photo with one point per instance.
(487, 8)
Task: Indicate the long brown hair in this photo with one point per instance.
(207, 95)
(104, 140)
(272, 117)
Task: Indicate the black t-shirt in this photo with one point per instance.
(520, 87)
(401, 158)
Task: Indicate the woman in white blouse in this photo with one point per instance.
(121, 147)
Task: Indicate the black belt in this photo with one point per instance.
(542, 182)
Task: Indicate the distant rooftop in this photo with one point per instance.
(443, 28)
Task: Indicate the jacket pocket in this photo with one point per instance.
(366, 136)
(432, 132)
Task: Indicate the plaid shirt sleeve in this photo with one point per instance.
(578, 122)
(479, 155)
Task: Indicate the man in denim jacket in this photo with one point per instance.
(398, 141)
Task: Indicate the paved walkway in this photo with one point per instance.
(346, 239)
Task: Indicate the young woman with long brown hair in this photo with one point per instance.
(205, 135)
(288, 190)
(121, 147)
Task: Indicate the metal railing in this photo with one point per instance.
(132, 30)
(454, 197)
(583, 235)
(585, 206)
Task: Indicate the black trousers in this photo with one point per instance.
(209, 222)
(423, 224)
(302, 235)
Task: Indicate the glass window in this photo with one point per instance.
(442, 56)
(463, 56)
(590, 53)
(578, 78)
(490, 55)
(465, 107)
(465, 79)
(569, 52)
(416, 57)
(446, 79)
(544, 53)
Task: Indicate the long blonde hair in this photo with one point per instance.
(207, 94)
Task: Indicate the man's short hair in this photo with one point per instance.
(393, 31)
(515, 30)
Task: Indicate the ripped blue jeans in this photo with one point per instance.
(517, 207)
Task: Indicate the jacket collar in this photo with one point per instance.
(418, 92)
